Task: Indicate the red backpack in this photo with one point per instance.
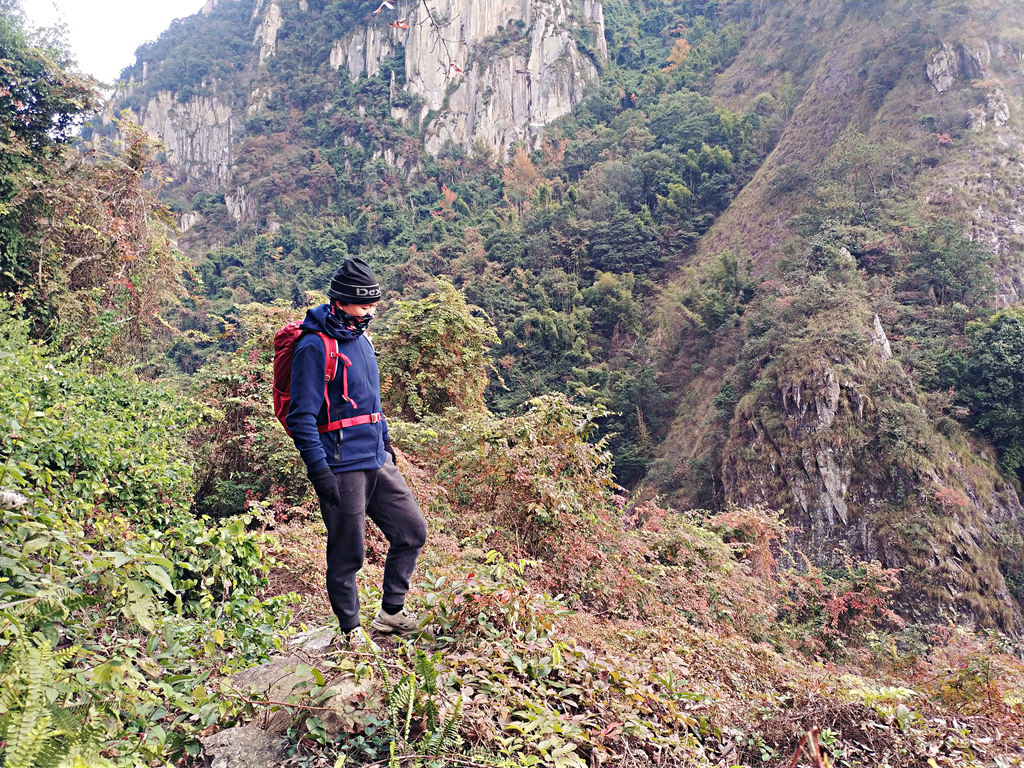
(284, 349)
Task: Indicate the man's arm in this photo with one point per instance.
(308, 366)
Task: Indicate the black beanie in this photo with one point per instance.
(354, 283)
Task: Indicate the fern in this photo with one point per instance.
(51, 753)
(426, 669)
(431, 714)
(38, 734)
(31, 728)
(28, 724)
(447, 739)
(411, 695)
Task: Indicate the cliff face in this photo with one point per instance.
(495, 73)
(986, 185)
(837, 437)
(199, 135)
(910, 74)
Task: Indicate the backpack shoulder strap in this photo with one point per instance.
(331, 353)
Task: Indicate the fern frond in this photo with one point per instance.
(408, 713)
(451, 740)
(447, 739)
(432, 715)
(69, 720)
(29, 735)
(52, 753)
(426, 669)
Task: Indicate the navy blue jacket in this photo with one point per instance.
(353, 448)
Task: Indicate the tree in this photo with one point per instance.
(678, 55)
(521, 179)
(951, 267)
(435, 355)
(40, 101)
(992, 385)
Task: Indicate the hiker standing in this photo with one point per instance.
(338, 427)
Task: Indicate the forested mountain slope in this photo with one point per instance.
(884, 219)
(770, 237)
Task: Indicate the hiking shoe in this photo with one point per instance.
(401, 623)
(356, 641)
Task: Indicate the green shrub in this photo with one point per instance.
(115, 600)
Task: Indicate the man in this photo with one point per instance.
(341, 433)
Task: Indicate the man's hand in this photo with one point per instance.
(389, 449)
(326, 486)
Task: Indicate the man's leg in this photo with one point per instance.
(395, 511)
(346, 525)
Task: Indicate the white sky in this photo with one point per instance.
(104, 34)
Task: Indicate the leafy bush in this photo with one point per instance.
(536, 486)
(244, 455)
(116, 603)
(434, 355)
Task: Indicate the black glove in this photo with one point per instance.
(326, 486)
(389, 449)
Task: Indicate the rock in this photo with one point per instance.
(244, 747)
(977, 119)
(198, 134)
(975, 58)
(879, 341)
(313, 640)
(189, 220)
(997, 106)
(286, 679)
(238, 204)
(266, 33)
(943, 68)
(363, 52)
(11, 499)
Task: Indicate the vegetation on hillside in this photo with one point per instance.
(159, 534)
(561, 247)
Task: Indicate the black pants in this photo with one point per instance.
(383, 495)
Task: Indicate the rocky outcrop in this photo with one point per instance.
(238, 204)
(511, 98)
(840, 443)
(198, 134)
(494, 72)
(966, 60)
(288, 677)
(986, 185)
(189, 220)
(266, 33)
(362, 53)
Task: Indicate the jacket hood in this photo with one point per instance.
(316, 319)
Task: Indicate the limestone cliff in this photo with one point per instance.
(474, 86)
(198, 135)
(495, 72)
